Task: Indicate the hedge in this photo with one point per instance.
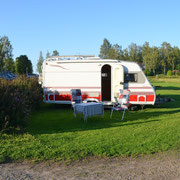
(17, 99)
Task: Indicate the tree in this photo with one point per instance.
(55, 53)
(40, 62)
(126, 54)
(104, 50)
(115, 52)
(165, 51)
(47, 54)
(152, 58)
(146, 50)
(135, 53)
(173, 58)
(9, 65)
(155, 59)
(5, 51)
(23, 65)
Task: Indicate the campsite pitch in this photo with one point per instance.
(54, 134)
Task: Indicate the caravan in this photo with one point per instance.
(98, 79)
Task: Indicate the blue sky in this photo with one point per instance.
(79, 26)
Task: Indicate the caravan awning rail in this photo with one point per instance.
(71, 57)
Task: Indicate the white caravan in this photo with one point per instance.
(98, 79)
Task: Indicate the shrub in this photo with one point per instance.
(17, 98)
(148, 72)
(178, 67)
(169, 73)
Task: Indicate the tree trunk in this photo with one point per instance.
(165, 70)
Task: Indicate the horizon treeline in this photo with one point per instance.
(155, 60)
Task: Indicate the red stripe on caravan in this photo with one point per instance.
(150, 98)
(67, 97)
(62, 97)
(133, 98)
(142, 99)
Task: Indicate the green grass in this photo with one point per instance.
(54, 134)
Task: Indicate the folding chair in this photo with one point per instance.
(76, 96)
(122, 103)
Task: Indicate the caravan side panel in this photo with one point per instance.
(60, 78)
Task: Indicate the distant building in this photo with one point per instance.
(7, 75)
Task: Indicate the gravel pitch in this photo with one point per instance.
(158, 166)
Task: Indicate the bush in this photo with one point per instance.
(148, 72)
(169, 73)
(178, 67)
(17, 98)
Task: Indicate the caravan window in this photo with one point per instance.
(130, 77)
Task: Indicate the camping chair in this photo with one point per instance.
(76, 96)
(122, 103)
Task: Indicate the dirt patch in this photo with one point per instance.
(159, 166)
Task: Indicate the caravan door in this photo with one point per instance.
(118, 80)
(106, 83)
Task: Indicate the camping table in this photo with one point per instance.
(89, 109)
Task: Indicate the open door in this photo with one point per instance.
(106, 83)
(118, 80)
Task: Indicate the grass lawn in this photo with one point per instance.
(54, 134)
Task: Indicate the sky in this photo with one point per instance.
(79, 26)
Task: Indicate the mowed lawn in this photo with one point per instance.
(54, 134)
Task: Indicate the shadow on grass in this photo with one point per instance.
(167, 88)
(172, 104)
(59, 118)
(55, 118)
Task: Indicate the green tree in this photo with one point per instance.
(5, 51)
(177, 50)
(115, 52)
(165, 52)
(9, 65)
(152, 59)
(23, 65)
(173, 58)
(135, 53)
(47, 54)
(155, 59)
(104, 50)
(126, 54)
(146, 50)
(39, 63)
(55, 53)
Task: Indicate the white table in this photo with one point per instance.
(89, 109)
